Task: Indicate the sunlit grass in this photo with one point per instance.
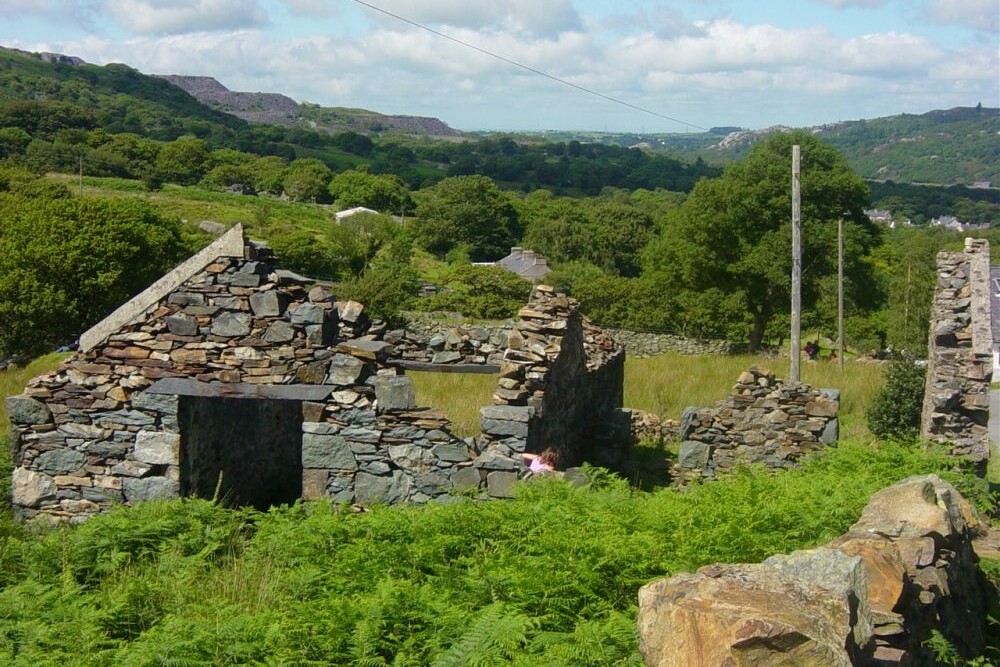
(195, 204)
(458, 395)
(667, 384)
(13, 379)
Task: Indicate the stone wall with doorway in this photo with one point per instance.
(149, 406)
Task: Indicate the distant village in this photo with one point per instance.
(946, 221)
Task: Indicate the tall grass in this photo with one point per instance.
(458, 395)
(667, 384)
(14, 378)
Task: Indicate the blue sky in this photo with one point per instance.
(702, 62)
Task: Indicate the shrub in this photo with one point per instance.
(895, 408)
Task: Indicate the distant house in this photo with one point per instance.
(954, 224)
(886, 218)
(351, 212)
(526, 264)
(982, 185)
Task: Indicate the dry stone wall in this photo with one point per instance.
(560, 387)
(960, 364)
(153, 406)
(871, 597)
(764, 421)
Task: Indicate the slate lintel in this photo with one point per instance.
(286, 392)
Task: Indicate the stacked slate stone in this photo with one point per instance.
(641, 344)
(957, 394)
(371, 444)
(87, 436)
(556, 387)
(763, 421)
(98, 432)
(456, 345)
(648, 426)
(355, 322)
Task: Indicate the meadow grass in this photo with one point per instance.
(13, 379)
(193, 204)
(458, 395)
(666, 385)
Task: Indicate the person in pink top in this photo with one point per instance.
(541, 463)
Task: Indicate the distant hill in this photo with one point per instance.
(947, 147)
(277, 109)
(119, 98)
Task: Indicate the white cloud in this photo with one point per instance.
(981, 15)
(529, 17)
(147, 17)
(841, 4)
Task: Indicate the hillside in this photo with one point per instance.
(119, 98)
(946, 147)
(277, 109)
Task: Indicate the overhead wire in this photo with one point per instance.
(528, 68)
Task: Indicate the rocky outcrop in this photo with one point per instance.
(871, 597)
(764, 421)
(960, 365)
(254, 107)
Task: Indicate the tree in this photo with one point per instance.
(306, 180)
(383, 192)
(467, 209)
(66, 263)
(733, 233)
(182, 161)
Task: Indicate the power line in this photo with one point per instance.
(528, 68)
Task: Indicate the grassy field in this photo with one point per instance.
(668, 384)
(12, 380)
(195, 204)
(665, 385)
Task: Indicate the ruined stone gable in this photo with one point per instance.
(231, 378)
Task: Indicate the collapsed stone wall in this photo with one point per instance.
(873, 596)
(764, 421)
(561, 387)
(116, 423)
(960, 364)
(429, 333)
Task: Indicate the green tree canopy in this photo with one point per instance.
(306, 179)
(467, 209)
(733, 235)
(65, 263)
(385, 193)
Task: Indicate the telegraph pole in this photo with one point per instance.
(840, 292)
(796, 267)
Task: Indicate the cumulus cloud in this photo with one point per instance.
(981, 15)
(718, 72)
(146, 17)
(528, 17)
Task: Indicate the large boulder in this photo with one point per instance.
(807, 609)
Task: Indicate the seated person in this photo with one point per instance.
(543, 462)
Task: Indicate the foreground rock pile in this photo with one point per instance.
(871, 597)
(764, 421)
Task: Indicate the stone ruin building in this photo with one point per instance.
(231, 378)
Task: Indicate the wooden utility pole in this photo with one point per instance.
(796, 267)
(840, 292)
